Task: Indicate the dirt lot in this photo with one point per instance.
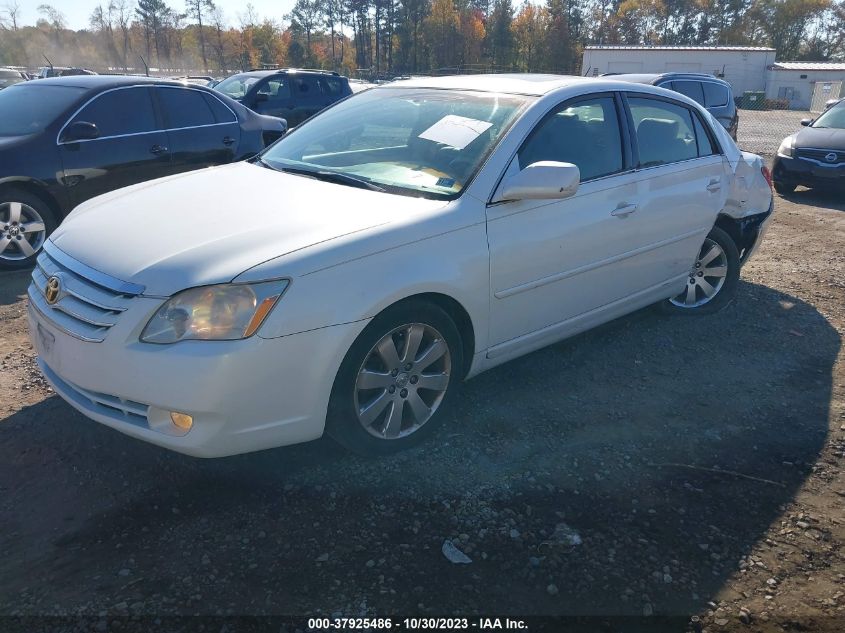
(654, 467)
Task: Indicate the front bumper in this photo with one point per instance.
(243, 395)
(798, 171)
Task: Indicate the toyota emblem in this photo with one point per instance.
(831, 158)
(51, 292)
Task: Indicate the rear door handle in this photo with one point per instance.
(624, 210)
(158, 149)
(714, 185)
(228, 140)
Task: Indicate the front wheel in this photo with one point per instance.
(25, 224)
(713, 278)
(784, 189)
(392, 386)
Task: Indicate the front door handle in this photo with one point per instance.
(624, 210)
(714, 185)
(158, 149)
(228, 140)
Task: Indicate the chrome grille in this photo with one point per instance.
(820, 155)
(84, 308)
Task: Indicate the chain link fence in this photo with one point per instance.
(761, 131)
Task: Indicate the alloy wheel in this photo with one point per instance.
(22, 231)
(706, 277)
(402, 381)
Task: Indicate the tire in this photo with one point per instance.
(376, 404)
(723, 263)
(20, 210)
(784, 189)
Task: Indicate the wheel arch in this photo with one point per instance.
(37, 189)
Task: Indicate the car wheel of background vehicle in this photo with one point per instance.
(392, 386)
(25, 224)
(713, 279)
(784, 189)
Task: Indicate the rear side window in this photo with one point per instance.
(665, 131)
(119, 112)
(184, 108)
(692, 89)
(222, 114)
(585, 133)
(332, 87)
(305, 88)
(715, 95)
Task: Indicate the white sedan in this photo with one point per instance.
(407, 238)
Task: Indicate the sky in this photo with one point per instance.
(77, 12)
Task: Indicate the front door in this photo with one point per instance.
(130, 148)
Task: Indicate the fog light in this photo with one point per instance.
(182, 420)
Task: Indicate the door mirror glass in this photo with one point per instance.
(80, 131)
(262, 97)
(545, 180)
(806, 122)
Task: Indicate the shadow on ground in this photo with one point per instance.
(13, 286)
(618, 435)
(832, 199)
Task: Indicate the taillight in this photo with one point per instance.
(767, 174)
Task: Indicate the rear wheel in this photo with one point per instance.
(392, 386)
(713, 278)
(25, 224)
(784, 189)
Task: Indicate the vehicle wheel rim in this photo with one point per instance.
(706, 277)
(402, 381)
(22, 231)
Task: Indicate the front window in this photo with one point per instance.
(833, 118)
(29, 109)
(236, 86)
(411, 141)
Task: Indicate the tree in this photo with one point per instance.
(501, 35)
(785, 22)
(441, 29)
(306, 15)
(196, 10)
(55, 18)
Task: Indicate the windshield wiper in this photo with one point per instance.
(332, 176)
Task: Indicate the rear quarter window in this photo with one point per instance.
(715, 95)
(692, 89)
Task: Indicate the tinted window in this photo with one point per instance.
(222, 114)
(332, 87)
(184, 108)
(585, 134)
(664, 131)
(705, 145)
(124, 111)
(692, 89)
(715, 95)
(277, 89)
(29, 108)
(305, 88)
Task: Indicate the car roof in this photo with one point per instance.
(104, 81)
(522, 83)
(648, 78)
(266, 72)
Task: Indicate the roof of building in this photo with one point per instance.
(808, 66)
(523, 83)
(683, 48)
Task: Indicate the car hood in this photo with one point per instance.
(821, 138)
(211, 225)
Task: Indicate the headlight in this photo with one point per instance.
(223, 312)
(785, 148)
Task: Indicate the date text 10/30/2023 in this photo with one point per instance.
(417, 624)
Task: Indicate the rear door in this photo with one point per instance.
(332, 89)
(307, 98)
(200, 132)
(131, 147)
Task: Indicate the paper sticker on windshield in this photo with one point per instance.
(456, 131)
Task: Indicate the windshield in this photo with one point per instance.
(236, 86)
(413, 141)
(27, 108)
(834, 118)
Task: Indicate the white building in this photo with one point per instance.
(744, 67)
(796, 82)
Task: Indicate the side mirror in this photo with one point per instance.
(806, 122)
(546, 180)
(261, 97)
(80, 131)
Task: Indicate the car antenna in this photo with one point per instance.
(146, 68)
(48, 60)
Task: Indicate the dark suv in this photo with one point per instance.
(289, 93)
(714, 94)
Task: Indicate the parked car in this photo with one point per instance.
(9, 76)
(68, 139)
(832, 102)
(289, 93)
(815, 156)
(45, 72)
(477, 218)
(714, 94)
(197, 80)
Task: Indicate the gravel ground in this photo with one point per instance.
(653, 467)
